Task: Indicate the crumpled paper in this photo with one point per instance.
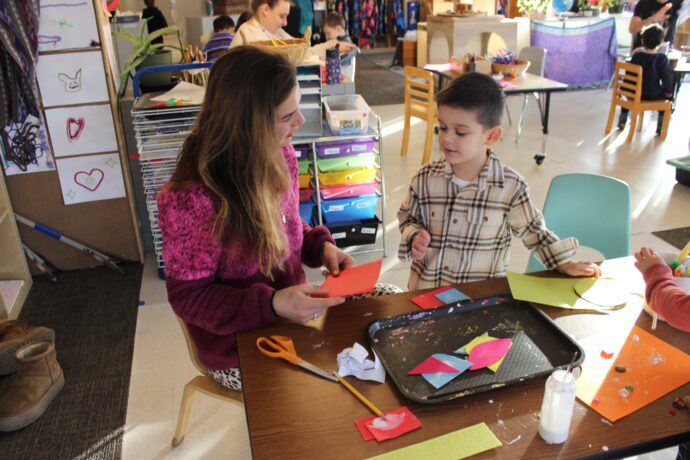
(353, 361)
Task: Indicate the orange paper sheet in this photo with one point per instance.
(353, 281)
(653, 369)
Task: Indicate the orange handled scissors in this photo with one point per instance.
(278, 346)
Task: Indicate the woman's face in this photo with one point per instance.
(289, 117)
(274, 18)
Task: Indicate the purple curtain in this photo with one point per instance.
(578, 56)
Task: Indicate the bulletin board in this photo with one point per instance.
(87, 195)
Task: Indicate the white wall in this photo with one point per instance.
(175, 11)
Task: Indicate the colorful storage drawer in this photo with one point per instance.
(306, 211)
(348, 190)
(355, 232)
(303, 166)
(305, 194)
(353, 147)
(352, 162)
(302, 151)
(304, 180)
(347, 177)
(347, 209)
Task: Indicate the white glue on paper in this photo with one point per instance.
(353, 361)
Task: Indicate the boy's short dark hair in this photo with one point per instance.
(652, 36)
(149, 3)
(223, 23)
(334, 20)
(476, 92)
(244, 17)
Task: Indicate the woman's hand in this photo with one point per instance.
(580, 269)
(645, 258)
(303, 303)
(335, 259)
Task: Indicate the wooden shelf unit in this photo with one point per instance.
(15, 278)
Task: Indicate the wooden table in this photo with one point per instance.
(682, 68)
(293, 414)
(525, 84)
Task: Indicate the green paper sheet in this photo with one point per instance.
(452, 446)
(557, 292)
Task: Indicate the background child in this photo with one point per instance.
(334, 29)
(663, 294)
(457, 220)
(223, 30)
(657, 74)
(156, 20)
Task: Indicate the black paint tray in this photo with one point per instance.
(539, 345)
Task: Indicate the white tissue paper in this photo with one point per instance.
(353, 361)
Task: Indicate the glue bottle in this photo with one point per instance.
(557, 407)
(333, 65)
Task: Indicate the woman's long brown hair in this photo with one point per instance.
(235, 152)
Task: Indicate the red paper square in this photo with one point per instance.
(428, 300)
(354, 280)
(398, 422)
(363, 430)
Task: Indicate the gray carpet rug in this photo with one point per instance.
(377, 82)
(94, 315)
(678, 237)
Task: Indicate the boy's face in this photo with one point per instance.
(333, 32)
(463, 140)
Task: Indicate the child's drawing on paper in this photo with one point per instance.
(90, 178)
(25, 148)
(83, 130)
(66, 24)
(74, 128)
(71, 79)
(72, 84)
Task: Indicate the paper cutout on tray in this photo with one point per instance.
(353, 361)
(459, 444)
(653, 369)
(439, 379)
(353, 281)
(429, 299)
(451, 296)
(474, 342)
(605, 292)
(556, 292)
(488, 353)
(184, 92)
(390, 425)
(431, 365)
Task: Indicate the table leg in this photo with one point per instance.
(545, 103)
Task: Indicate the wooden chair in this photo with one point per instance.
(201, 383)
(627, 93)
(419, 102)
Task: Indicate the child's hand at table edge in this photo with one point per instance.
(646, 258)
(581, 269)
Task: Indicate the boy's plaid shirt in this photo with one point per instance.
(470, 226)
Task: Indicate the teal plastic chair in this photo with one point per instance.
(594, 209)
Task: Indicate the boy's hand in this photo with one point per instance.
(645, 258)
(420, 245)
(580, 269)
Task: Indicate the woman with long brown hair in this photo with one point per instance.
(233, 240)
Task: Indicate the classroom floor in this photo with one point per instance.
(161, 365)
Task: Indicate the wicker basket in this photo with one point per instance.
(509, 69)
(294, 49)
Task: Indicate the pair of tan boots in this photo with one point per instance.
(27, 352)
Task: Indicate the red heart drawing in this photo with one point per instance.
(74, 128)
(89, 180)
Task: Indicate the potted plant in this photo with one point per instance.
(534, 9)
(144, 50)
(615, 6)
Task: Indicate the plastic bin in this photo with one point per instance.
(302, 151)
(682, 166)
(350, 162)
(339, 149)
(349, 190)
(354, 233)
(303, 166)
(347, 114)
(350, 176)
(305, 194)
(304, 180)
(348, 209)
(306, 211)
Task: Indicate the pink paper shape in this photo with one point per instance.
(432, 365)
(353, 281)
(429, 300)
(487, 353)
(393, 424)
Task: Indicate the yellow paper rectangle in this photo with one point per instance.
(452, 446)
(556, 292)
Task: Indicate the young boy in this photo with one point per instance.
(460, 211)
(223, 30)
(657, 74)
(334, 29)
